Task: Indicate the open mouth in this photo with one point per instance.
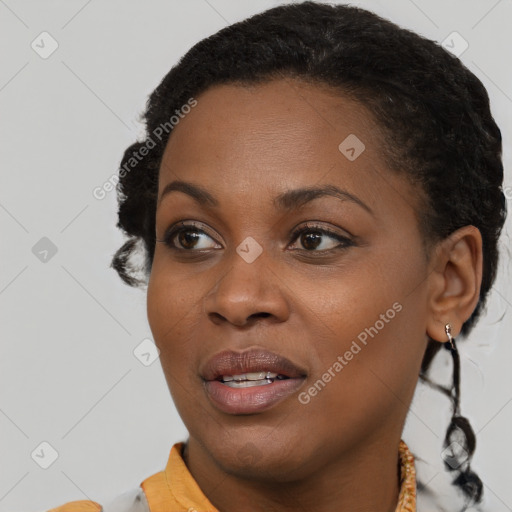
(250, 382)
(247, 380)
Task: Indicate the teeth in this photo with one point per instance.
(260, 375)
(255, 376)
(249, 380)
(248, 383)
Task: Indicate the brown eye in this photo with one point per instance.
(188, 237)
(311, 239)
(316, 239)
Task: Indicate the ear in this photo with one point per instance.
(454, 282)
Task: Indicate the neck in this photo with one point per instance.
(364, 478)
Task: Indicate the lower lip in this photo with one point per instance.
(250, 400)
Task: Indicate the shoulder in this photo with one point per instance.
(133, 500)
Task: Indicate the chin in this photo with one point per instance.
(262, 459)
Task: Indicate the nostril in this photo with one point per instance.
(263, 315)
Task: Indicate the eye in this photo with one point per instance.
(315, 238)
(187, 237)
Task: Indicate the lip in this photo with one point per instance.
(252, 399)
(229, 362)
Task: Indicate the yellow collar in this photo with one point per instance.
(174, 489)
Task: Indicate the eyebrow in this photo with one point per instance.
(286, 201)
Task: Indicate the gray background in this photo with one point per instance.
(69, 326)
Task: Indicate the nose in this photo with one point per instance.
(247, 292)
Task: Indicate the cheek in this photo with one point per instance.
(341, 305)
(369, 336)
(173, 309)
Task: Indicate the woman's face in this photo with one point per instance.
(344, 300)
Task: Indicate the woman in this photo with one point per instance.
(323, 219)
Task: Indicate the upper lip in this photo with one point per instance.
(229, 362)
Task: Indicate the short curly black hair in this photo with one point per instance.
(434, 112)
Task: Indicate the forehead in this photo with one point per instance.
(288, 111)
(284, 118)
(286, 133)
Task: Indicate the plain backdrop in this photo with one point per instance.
(69, 377)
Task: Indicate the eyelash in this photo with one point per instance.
(308, 228)
(181, 227)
